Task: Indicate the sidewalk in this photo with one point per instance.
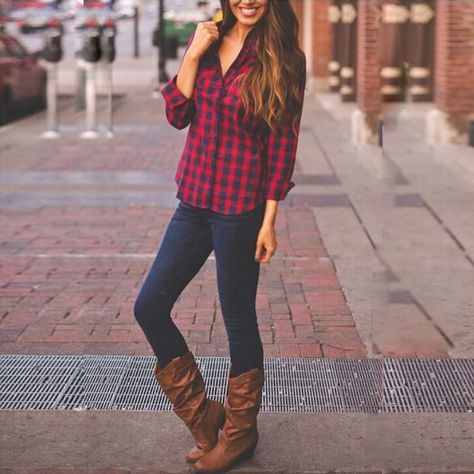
(375, 258)
(82, 221)
(82, 224)
(111, 442)
(406, 226)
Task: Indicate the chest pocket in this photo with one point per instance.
(206, 89)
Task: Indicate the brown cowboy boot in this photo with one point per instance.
(184, 386)
(239, 435)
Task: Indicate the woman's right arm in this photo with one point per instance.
(178, 91)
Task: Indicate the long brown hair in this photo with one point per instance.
(272, 89)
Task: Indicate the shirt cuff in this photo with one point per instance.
(172, 93)
(279, 193)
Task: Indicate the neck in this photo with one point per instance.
(239, 31)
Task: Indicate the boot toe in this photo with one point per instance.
(194, 454)
(208, 434)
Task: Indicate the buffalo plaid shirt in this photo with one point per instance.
(231, 161)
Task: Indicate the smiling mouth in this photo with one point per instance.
(249, 10)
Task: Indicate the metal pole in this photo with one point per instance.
(158, 55)
(110, 132)
(136, 36)
(91, 107)
(52, 102)
(162, 75)
(380, 132)
(79, 102)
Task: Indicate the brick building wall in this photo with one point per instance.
(369, 98)
(454, 72)
(449, 121)
(298, 8)
(322, 38)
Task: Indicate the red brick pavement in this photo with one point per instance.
(70, 272)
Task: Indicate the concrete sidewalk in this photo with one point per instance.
(299, 443)
(407, 222)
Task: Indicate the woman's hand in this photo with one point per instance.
(205, 34)
(266, 244)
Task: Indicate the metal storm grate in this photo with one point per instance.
(339, 385)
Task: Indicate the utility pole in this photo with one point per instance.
(136, 32)
(162, 75)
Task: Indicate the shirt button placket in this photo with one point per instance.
(214, 137)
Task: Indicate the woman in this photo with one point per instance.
(241, 87)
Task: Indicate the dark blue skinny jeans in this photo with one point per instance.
(190, 237)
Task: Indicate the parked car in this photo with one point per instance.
(125, 9)
(68, 8)
(34, 21)
(91, 18)
(35, 16)
(22, 79)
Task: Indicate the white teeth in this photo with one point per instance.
(249, 11)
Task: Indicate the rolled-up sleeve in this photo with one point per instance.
(179, 109)
(281, 149)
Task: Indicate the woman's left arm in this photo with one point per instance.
(281, 156)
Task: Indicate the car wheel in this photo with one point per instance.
(5, 106)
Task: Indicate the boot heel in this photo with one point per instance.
(239, 437)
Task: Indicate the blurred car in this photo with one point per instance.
(95, 14)
(38, 15)
(22, 79)
(69, 8)
(37, 21)
(90, 18)
(125, 8)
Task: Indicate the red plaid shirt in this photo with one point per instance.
(231, 161)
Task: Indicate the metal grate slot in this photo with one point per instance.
(418, 385)
(337, 385)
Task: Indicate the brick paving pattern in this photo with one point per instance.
(73, 252)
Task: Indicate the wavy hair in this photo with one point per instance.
(272, 89)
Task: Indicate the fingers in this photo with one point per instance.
(267, 256)
(263, 254)
(258, 252)
(210, 27)
(206, 33)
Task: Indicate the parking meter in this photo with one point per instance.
(52, 53)
(109, 47)
(52, 50)
(91, 53)
(109, 32)
(91, 49)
